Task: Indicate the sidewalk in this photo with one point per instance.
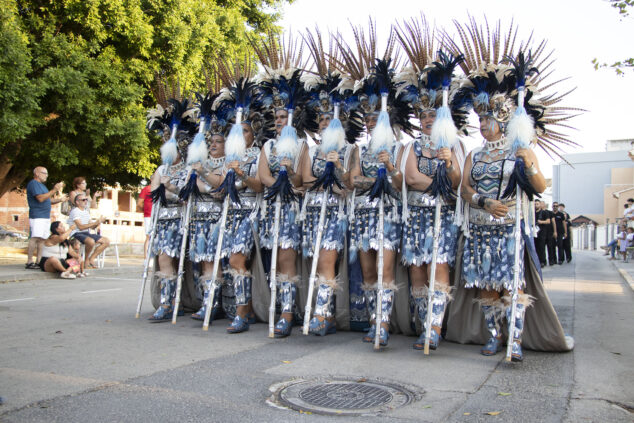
(12, 270)
(626, 270)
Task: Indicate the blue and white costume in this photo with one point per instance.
(168, 226)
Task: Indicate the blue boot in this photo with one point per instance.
(288, 292)
(323, 308)
(492, 317)
(420, 298)
(215, 310)
(516, 332)
(370, 300)
(165, 310)
(439, 304)
(387, 302)
(242, 289)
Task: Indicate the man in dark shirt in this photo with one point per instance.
(40, 200)
(544, 219)
(567, 246)
(562, 232)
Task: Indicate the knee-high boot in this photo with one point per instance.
(242, 288)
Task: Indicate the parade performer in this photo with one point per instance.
(176, 122)
(423, 83)
(241, 187)
(208, 164)
(498, 260)
(281, 86)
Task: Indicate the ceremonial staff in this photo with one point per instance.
(330, 141)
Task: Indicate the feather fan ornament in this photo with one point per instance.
(521, 127)
(198, 150)
(333, 139)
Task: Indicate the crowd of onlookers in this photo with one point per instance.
(553, 238)
(625, 234)
(57, 246)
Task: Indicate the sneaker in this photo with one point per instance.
(32, 266)
(67, 275)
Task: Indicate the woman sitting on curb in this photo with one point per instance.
(57, 257)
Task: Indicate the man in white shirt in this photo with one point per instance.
(93, 243)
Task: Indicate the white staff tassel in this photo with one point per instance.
(149, 258)
(379, 281)
(273, 275)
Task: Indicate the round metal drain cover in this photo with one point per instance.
(343, 396)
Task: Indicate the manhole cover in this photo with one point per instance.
(343, 396)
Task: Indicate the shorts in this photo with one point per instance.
(43, 260)
(40, 228)
(147, 224)
(81, 236)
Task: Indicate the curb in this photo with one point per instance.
(39, 275)
(625, 275)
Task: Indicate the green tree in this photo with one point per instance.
(77, 77)
(620, 66)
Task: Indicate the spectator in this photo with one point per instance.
(57, 257)
(628, 215)
(79, 187)
(612, 245)
(93, 243)
(626, 239)
(145, 202)
(40, 200)
(567, 239)
(551, 241)
(561, 232)
(544, 219)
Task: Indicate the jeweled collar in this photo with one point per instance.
(251, 150)
(425, 141)
(498, 146)
(176, 167)
(216, 162)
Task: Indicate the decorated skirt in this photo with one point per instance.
(168, 236)
(489, 256)
(418, 236)
(335, 224)
(364, 227)
(290, 231)
(238, 237)
(204, 229)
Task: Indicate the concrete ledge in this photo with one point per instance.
(625, 274)
(17, 273)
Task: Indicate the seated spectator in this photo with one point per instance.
(79, 187)
(610, 248)
(80, 216)
(626, 239)
(57, 257)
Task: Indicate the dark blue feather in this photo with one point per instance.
(445, 66)
(158, 195)
(282, 186)
(327, 179)
(441, 184)
(190, 188)
(519, 178)
(382, 186)
(228, 187)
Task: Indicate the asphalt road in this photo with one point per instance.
(72, 351)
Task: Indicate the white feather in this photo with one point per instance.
(288, 144)
(382, 136)
(197, 151)
(520, 129)
(169, 152)
(443, 131)
(235, 146)
(333, 137)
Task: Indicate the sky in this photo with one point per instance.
(578, 31)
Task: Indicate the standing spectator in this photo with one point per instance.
(568, 223)
(544, 221)
(79, 187)
(145, 202)
(40, 200)
(80, 216)
(551, 241)
(561, 232)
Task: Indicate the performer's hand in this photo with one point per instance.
(198, 167)
(288, 164)
(165, 180)
(445, 154)
(496, 208)
(63, 198)
(235, 165)
(384, 157)
(333, 157)
(527, 155)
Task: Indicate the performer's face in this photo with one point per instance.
(217, 146)
(370, 122)
(281, 119)
(247, 132)
(324, 121)
(427, 119)
(490, 129)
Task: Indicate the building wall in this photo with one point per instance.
(580, 185)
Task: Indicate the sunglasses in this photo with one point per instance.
(83, 199)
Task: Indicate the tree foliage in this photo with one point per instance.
(619, 66)
(76, 76)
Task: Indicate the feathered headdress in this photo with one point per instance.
(323, 85)
(421, 82)
(496, 70)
